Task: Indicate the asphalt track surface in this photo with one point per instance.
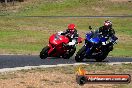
(12, 61)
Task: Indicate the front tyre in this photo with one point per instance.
(44, 52)
(80, 54)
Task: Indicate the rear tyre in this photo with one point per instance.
(102, 57)
(80, 54)
(70, 53)
(44, 52)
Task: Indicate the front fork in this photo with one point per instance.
(88, 50)
(51, 50)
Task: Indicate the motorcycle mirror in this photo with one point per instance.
(90, 27)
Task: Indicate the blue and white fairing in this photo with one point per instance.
(93, 37)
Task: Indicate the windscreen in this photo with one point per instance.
(57, 37)
(95, 34)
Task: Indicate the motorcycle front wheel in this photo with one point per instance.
(80, 54)
(44, 52)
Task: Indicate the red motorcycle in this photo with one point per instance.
(57, 47)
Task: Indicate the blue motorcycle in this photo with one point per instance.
(96, 46)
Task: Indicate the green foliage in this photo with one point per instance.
(72, 8)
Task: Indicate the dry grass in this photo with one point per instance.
(46, 79)
(14, 7)
(120, 0)
(60, 77)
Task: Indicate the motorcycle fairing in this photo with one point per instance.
(56, 42)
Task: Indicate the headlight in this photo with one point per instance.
(103, 43)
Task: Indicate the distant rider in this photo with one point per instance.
(107, 29)
(71, 33)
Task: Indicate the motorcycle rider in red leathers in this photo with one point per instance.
(72, 34)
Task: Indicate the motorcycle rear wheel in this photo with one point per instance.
(70, 53)
(101, 57)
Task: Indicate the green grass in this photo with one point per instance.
(70, 7)
(122, 49)
(76, 7)
(19, 35)
(22, 41)
(29, 35)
